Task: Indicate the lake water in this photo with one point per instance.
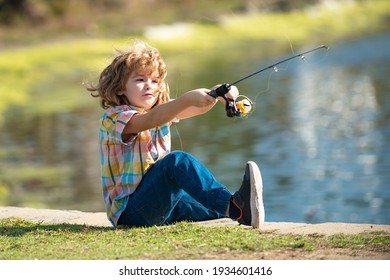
(320, 133)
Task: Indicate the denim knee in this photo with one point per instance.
(176, 156)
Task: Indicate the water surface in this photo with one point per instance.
(320, 134)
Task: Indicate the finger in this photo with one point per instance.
(234, 91)
(211, 99)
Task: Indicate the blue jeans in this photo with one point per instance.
(176, 188)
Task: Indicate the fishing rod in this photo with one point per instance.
(244, 106)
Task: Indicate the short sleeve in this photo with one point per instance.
(114, 122)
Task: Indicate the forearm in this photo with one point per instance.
(157, 116)
(164, 113)
(193, 111)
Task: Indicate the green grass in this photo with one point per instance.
(20, 239)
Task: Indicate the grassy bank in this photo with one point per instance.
(20, 239)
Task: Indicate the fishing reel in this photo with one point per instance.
(240, 107)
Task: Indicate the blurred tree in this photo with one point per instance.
(10, 9)
(277, 5)
(13, 12)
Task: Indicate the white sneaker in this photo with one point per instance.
(249, 198)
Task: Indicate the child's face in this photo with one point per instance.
(142, 90)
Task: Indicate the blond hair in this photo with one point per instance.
(139, 58)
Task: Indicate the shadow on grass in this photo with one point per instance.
(16, 227)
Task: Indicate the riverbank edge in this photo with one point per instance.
(99, 219)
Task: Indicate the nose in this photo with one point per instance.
(148, 83)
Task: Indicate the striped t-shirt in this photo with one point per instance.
(124, 163)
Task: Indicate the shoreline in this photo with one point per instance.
(99, 219)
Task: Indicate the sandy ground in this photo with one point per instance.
(99, 219)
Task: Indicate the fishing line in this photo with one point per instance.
(291, 45)
(174, 124)
(242, 106)
(273, 72)
(265, 90)
(307, 60)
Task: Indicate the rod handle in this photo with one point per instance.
(220, 91)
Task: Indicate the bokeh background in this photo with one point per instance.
(320, 131)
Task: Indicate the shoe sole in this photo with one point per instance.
(256, 202)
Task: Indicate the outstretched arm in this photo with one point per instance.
(192, 102)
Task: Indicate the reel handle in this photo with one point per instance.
(221, 91)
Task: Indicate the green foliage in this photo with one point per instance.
(49, 77)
